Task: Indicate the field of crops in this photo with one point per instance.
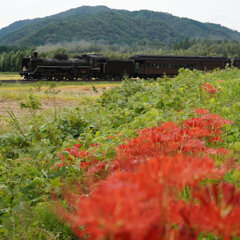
(141, 160)
(9, 76)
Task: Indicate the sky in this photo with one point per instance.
(221, 12)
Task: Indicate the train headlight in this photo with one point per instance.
(24, 69)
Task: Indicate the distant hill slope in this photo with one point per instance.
(13, 27)
(111, 26)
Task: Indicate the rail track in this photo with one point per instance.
(16, 81)
(41, 80)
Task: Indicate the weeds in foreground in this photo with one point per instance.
(14, 122)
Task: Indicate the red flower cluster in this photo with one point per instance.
(190, 137)
(210, 89)
(214, 209)
(87, 157)
(142, 198)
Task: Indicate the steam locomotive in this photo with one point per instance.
(98, 67)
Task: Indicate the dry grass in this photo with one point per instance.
(68, 92)
(9, 76)
(57, 97)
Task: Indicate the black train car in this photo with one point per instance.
(236, 62)
(116, 69)
(148, 66)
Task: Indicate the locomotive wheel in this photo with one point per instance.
(87, 78)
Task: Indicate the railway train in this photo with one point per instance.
(98, 67)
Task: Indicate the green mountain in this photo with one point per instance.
(111, 26)
(13, 27)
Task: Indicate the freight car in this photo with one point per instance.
(99, 67)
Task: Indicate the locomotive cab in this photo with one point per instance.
(24, 67)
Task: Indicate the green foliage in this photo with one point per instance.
(38, 222)
(69, 126)
(32, 103)
(11, 61)
(94, 89)
(14, 122)
(11, 143)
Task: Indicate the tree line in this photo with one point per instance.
(11, 57)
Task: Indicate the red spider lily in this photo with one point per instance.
(180, 171)
(60, 165)
(190, 137)
(135, 206)
(230, 164)
(194, 146)
(218, 151)
(217, 211)
(87, 157)
(202, 111)
(208, 125)
(78, 145)
(98, 168)
(210, 89)
(110, 212)
(94, 145)
(112, 137)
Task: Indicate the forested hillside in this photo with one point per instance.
(111, 26)
(13, 27)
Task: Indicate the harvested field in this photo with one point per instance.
(50, 97)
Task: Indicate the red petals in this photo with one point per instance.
(87, 158)
(210, 89)
(189, 138)
(217, 211)
(202, 111)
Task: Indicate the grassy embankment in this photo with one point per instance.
(30, 146)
